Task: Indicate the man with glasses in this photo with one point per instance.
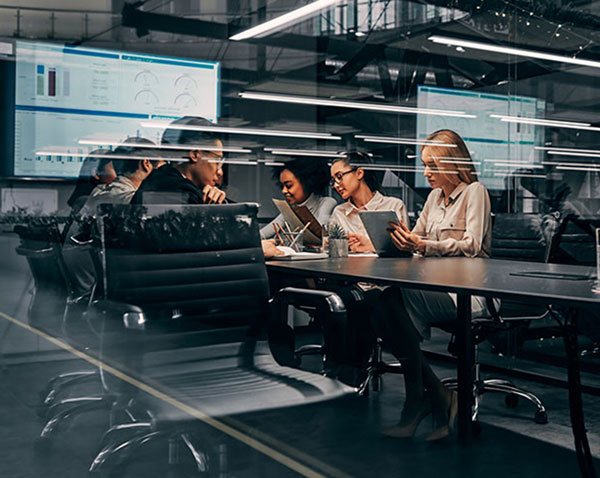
(194, 174)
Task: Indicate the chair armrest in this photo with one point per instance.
(81, 240)
(133, 317)
(309, 297)
(332, 314)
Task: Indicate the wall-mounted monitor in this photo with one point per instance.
(499, 149)
(69, 101)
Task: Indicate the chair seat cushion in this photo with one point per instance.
(229, 379)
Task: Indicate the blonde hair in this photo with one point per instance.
(457, 171)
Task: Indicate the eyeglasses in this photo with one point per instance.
(337, 177)
(214, 157)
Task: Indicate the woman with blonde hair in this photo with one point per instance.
(455, 221)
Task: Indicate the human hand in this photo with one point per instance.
(359, 243)
(270, 249)
(405, 240)
(212, 195)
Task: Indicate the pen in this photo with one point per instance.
(300, 233)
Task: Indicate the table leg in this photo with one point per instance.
(582, 447)
(466, 355)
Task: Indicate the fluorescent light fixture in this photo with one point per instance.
(510, 164)
(286, 20)
(572, 150)
(562, 163)
(489, 47)
(305, 152)
(520, 175)
(541, 122)
(361, 105)
(239, 162)
(186, 147)
(571, 153)
(248, 131)
(392, 140)
(273, 163)
(578, 168)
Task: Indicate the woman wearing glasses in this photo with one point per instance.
(455, 221)
(303, 183)
(359, 187)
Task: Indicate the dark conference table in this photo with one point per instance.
(557, 284)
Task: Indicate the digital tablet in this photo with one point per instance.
(377, 225)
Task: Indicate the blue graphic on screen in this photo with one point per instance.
(68, 98)
(498, 148)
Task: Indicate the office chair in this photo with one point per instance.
(185, 301)
(575, 243)
(524, 237)
(52, 304)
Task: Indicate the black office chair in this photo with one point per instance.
(575, 243)
(524, 237)
(186, 297)
(52, 303)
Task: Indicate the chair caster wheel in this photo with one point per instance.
(541, 417)
(511, 400)
(476, 428)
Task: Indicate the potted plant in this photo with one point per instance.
(337, 240)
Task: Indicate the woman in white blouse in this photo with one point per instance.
(303, 183)
(360, 188)
(455, 221)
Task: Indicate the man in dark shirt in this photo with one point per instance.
(194, 174)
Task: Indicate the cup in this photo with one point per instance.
(338, 248)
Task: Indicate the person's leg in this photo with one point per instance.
(399, 335)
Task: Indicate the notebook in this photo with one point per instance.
(292, 255)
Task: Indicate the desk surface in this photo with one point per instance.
(487, 277)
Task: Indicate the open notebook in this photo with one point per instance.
(291, 255)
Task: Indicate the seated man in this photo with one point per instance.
(133, 165)
(132, 170)
(196, 174)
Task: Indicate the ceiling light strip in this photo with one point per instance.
(246, 131)
(186, 147)
(489, 47)
(407, 141)
(285, 20)
(384, 108)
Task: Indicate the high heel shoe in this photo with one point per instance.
(445, 430)
(409, 422)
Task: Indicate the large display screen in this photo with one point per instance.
(67, 99)
(499, 149)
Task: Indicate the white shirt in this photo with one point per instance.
(346, 215)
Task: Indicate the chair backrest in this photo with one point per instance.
(522, 236)
(188, 266)
(40, 244)
(575, 241)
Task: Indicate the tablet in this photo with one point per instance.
(378, 229)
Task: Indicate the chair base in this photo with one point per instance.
(511, 391)
(375, 369)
